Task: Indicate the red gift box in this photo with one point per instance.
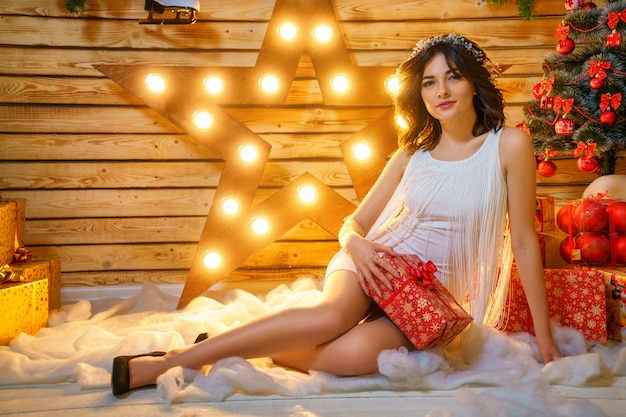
(576, 299)
(615, 291)
(419, 304)
(614, 39)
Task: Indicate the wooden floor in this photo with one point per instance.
(68, 400)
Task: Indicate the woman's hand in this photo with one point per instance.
(548, 349)
(369, 263)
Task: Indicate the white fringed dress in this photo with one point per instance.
(452, 213)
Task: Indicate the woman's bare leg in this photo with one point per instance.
(342, 306)
(353, 353)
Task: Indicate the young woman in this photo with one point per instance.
(444, 195)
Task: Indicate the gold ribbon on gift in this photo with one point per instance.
(22, 254)
(8, 274)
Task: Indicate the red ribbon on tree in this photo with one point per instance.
(615, 17)
(610, 100)
(565, 103)
(587, 148)
(425, 272)
(549, 153)
(597, 69)
(562, 31)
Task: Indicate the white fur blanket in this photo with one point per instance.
(79, 345)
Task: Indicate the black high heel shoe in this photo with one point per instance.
(201, 337)
(120, 374)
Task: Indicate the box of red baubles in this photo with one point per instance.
(596, 231)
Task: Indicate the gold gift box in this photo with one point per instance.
(23, 308)
(40, 268)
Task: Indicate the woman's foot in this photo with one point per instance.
(143, 371)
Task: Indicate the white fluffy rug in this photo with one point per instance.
(83, 338)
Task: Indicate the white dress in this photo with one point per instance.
(448, 212)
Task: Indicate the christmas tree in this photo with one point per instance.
(577, 107)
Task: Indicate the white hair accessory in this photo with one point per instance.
(456, 39)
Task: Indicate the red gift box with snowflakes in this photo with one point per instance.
(615, 291)
(419, 304)
(576, 299)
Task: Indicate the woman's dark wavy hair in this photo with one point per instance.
(424, 131)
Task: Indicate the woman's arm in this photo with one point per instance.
(364, 253)
(518, 160)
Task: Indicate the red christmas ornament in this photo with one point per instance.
(595, 248)
(587, 165)
(614, 39)
(573, 5)
(590, 215)
(565, 249)
(565, 46)
(608, 117)
(547, 102)
(596, 82)
(620, 249)
(608, 104)
(589, 6)
(564, 126)
(538, 91)
(546, 168)
(564, 219)
(617, 214)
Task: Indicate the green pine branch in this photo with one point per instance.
(525, 7)
(75, 6)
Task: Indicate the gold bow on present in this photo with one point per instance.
(7, 274)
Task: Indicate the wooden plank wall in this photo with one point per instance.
(121, 194)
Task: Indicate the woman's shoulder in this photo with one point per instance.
(513, 138)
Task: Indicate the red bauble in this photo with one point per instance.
(595, 248)
(564, 126)
(564, 219)
(608, 117)
(538, 91)
(590, 215)
(587, 165)
(619, 246)
(589, 6)
(565, 249)
(573, 4)
(596, 82)
(565, 46)
(617, 213)
(546, 168)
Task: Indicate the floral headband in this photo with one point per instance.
(456, 39)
